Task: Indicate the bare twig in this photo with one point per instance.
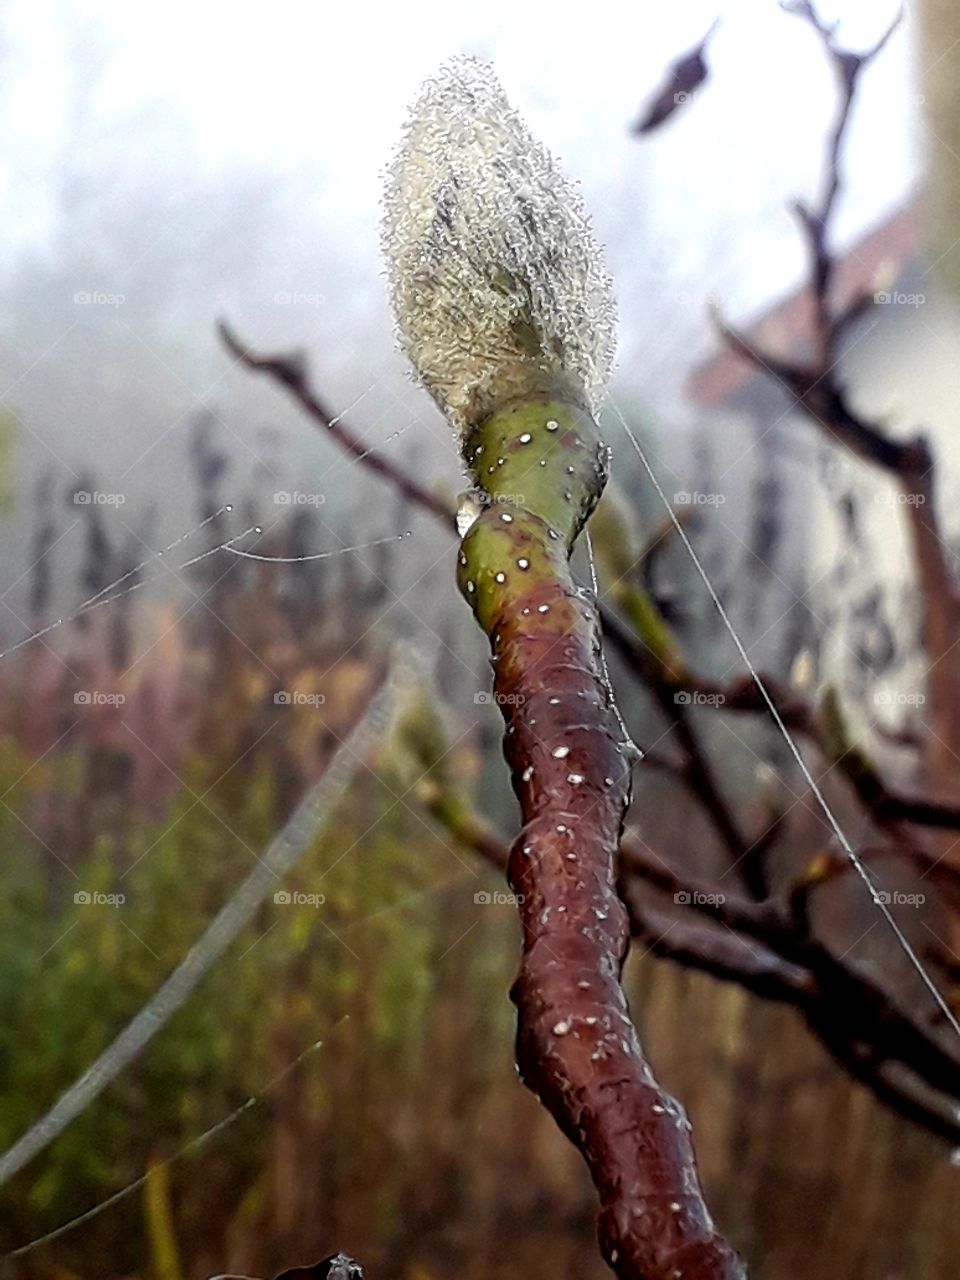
(817, 389)
(738, 695)
(290, 372)
(768, 950)
(815, 219)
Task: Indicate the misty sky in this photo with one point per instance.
(208, 158)
(317, 92)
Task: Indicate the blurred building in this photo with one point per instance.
(818, 560)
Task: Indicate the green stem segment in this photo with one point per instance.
(542, 466)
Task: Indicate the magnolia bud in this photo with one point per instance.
(498, 286)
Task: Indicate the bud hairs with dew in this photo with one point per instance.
(498, 286)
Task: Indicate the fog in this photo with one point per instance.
(211, 159)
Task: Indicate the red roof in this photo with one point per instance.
(873, 262)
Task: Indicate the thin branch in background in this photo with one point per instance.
(816, 219)
(816, 387)
(290, 372)
(767, 949)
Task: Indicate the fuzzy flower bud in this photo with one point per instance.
(498, 286)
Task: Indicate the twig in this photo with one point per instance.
(290, 372)
(817, 389)
(664, 685)
(766, 949)
(815, 220)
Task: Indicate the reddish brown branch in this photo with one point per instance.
(570, 766)
(817, 389)
(290, 372)
(739, 695)
(851, 1005)
(815, 220)
(767, 949)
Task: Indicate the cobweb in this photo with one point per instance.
(495, 275)
(284, 850)
(493, 268)
(139, 576)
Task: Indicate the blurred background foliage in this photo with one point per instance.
(404, 1138)
(147, 166)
